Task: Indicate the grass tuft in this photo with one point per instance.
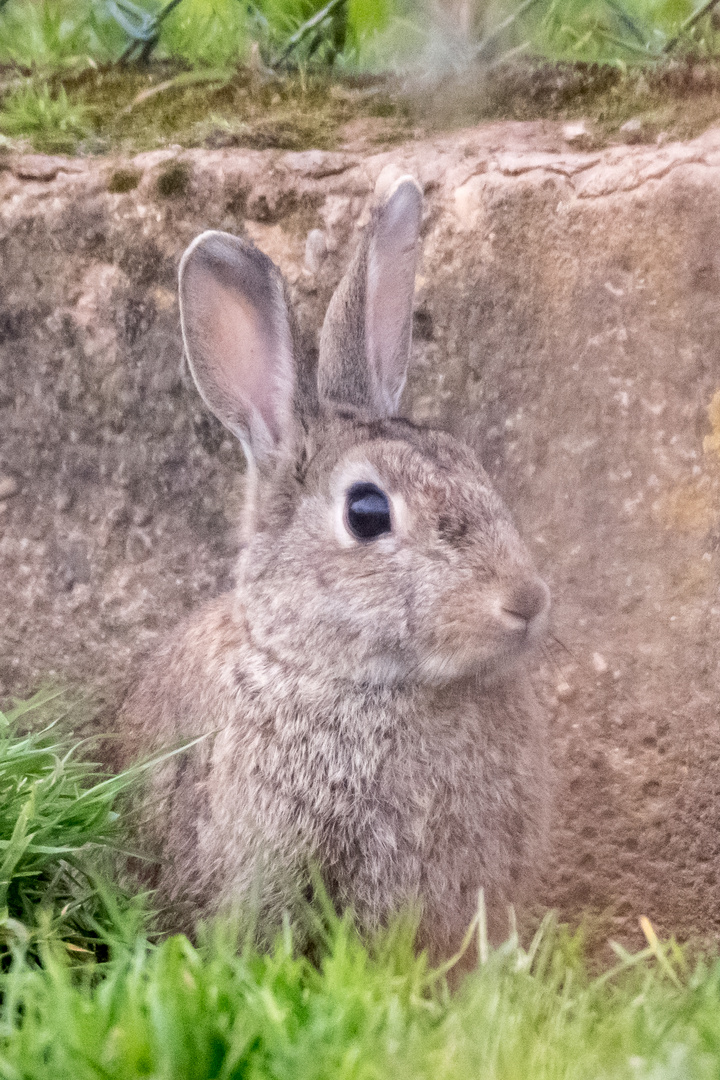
(51, 121)
(59, 833)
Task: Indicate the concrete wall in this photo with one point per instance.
(568, 315)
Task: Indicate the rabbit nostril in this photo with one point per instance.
(527, 601)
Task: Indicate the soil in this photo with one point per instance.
(160, 104)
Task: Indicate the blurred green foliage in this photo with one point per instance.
(358, 34)
(616, 31)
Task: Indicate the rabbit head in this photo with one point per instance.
(376, 551)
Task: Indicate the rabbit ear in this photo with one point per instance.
(365, 339)
(238, 339)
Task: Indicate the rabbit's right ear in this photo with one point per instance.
(365, 339)
(238, 339)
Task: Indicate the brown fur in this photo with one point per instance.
(369, 703)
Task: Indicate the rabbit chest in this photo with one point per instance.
(400, 795)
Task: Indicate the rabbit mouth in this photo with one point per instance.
(479, 657)
(488, 638)
(519, 620)
(523, 610)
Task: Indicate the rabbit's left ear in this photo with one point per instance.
(238, 339)
(366, 336)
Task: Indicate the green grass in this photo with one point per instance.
(87, 993)
(177, 1011)
(60, 834)
(52, 122)
(48, 35)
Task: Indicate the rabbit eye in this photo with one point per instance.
(367, 512)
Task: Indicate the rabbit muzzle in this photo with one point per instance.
(484, 630)
(523, 610)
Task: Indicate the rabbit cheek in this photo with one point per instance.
(476, 633)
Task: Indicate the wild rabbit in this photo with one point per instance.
(364, 680)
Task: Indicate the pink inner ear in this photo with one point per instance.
(239, 355)
(389, 291)
(386, 328)
(241, 358)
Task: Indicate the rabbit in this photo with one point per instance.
(363, 686)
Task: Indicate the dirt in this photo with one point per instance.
(131, 109)
(567, 318)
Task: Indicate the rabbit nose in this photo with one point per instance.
(527, 601)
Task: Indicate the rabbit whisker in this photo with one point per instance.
(561, 643)
(550, 659)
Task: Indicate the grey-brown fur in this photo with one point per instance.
(369, 701)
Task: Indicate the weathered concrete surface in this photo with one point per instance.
(568, 310)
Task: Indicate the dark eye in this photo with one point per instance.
(367, 511)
